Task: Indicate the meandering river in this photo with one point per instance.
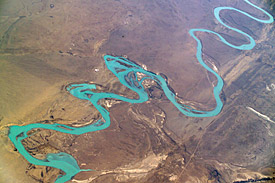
(127, 72)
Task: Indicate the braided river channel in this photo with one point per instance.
(127, 71)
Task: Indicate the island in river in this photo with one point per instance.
(172, 139)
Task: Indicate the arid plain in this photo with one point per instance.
(46, 45)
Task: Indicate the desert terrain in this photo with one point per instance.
(45, 45)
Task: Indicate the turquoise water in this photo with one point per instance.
(126, 71)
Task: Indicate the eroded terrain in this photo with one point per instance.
(46, 45)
